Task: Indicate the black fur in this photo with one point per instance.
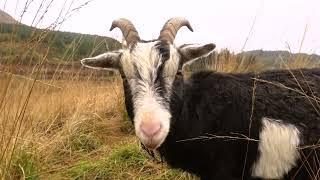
(221, 104)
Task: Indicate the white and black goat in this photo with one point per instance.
(217, 125)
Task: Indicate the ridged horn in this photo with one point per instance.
(171, 27)
(129, 32)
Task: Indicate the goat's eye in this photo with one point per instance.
(164, 51)
(165, 55)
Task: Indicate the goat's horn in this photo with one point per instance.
(171, 27)
(128, 30)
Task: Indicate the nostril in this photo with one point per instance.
(150, 128)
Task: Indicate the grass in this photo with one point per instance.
(226, 61)
(76, 131)
(25, 165)
(124, 161)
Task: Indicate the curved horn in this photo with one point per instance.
(171, 27)
(128, 30)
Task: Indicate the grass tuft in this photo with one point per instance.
(25, 165)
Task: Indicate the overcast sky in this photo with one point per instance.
(227, 23)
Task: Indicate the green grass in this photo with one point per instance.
(84, 142)
(25, 165)
(124, 161)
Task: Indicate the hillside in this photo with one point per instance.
(23, 44)
(6, 18)
(275, 58)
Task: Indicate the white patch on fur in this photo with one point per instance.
(278, 148)
(148, 104)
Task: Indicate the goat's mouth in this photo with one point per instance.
(151, 145)
(152, 135)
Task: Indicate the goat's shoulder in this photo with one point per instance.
(223, 80)
(216, 91)
(219, 82)
(285, 74)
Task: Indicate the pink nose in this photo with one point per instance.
(150, 129)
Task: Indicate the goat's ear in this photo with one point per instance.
(109, 60)
(190, 52)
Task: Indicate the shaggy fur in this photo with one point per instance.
(221, 104)
(278, 149)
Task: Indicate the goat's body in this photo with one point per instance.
(277, 110)
(211, 103)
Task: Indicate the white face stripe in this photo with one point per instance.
(144, 61)
(278, 148)
(140, 66)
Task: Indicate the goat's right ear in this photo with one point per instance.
(109, 60)
(190, 52)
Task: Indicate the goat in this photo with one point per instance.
(217, 125)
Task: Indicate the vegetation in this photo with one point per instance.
(70, 130)
(278, 59)
(18, 44)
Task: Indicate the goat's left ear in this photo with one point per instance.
(190, 52)
(109, 60)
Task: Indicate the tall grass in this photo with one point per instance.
(226, 61)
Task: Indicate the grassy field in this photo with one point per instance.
(70, 129)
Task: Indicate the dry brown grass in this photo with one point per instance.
(69, 129)
(52, 115)
(226, 61)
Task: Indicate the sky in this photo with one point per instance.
(237, 25)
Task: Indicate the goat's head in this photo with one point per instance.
(148, 69)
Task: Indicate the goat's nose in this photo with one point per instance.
(151, 128)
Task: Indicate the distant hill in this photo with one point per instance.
(23, 44)
(255, 60)
(274, 58)
(6, 18)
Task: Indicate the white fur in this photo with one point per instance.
(171, 68)
(278, 149)
(148, 104)
(148, 109)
